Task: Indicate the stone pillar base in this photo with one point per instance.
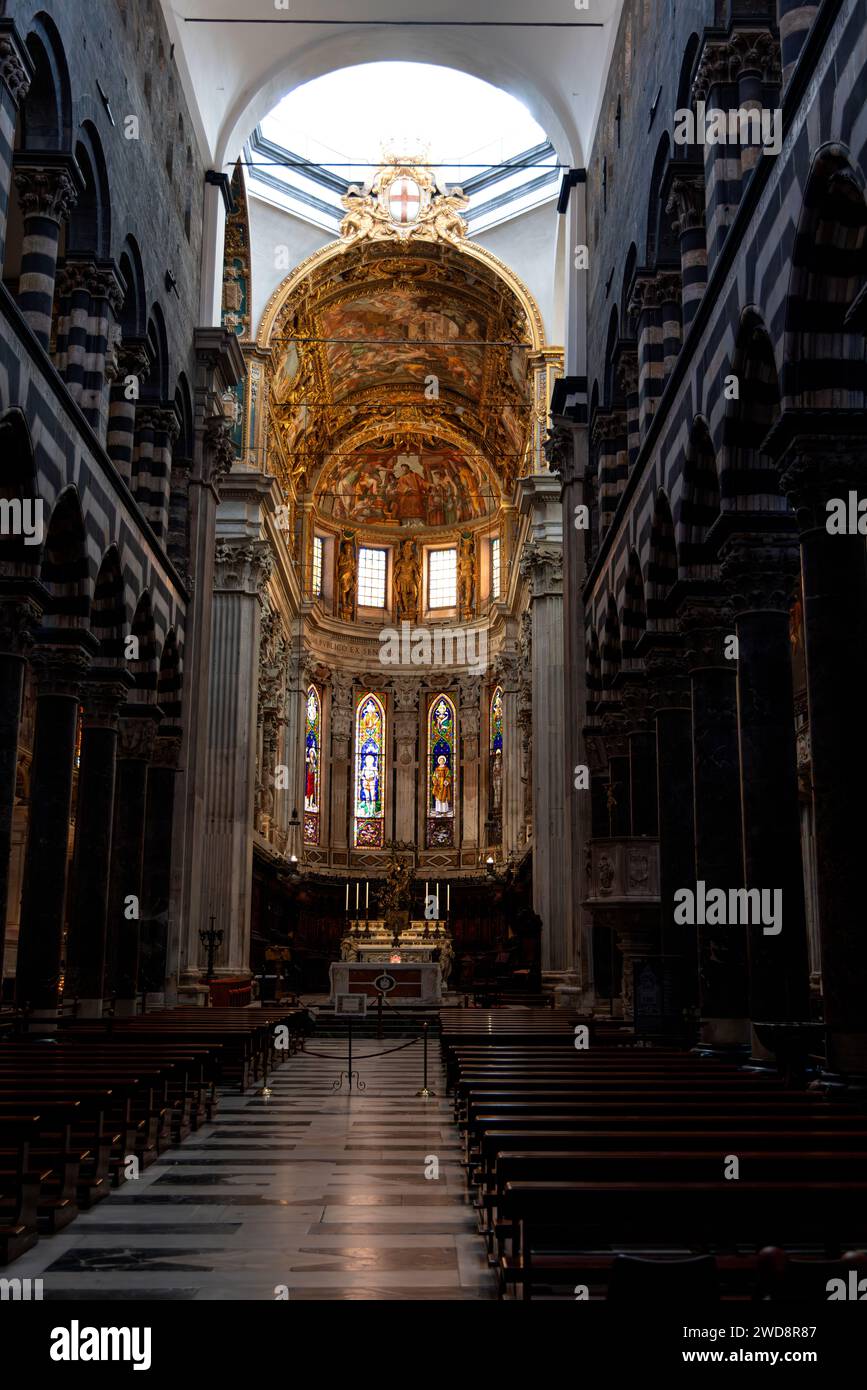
(724, 1032)
(89, 1008)
(125, 1008)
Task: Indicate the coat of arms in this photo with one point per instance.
(403, 203)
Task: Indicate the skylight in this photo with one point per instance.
(338, 129)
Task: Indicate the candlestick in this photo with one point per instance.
(347, 896)
(426, 895)
(357, 890)
(366, 895)
(448, 898)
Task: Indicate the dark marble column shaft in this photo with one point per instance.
(815, 468)
(156, 882)
(91, 856)
(137, 733)
(19, 614)
(59, 671)
(760, 573)
(707, 626)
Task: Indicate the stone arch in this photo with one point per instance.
(46, 112)
(825, 364)
(144, 667)
(748, 479)
(662, 566)
(169, 683)
(65, 571)
(108, 616)
(89, 225)
(634, 610)
(700, 501)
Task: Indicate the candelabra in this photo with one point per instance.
(211, 939)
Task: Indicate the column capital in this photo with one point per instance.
(133, 358)
(542, 565)
(705, 621)
(49, 185)
(166, 752)
(820, 455)
(16, 65)
(242, 565)
(686, 203)
(608, 425)
(759, 572)
(137, 730)
(635, 701)
(219, 448)
(406, 690)
(103, 694)
(61, 668)
(20, 615)
(667, 678)
(162, 419)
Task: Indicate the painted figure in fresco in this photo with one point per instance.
(441, 787)
(310, 780)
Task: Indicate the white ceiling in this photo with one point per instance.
(234, 74)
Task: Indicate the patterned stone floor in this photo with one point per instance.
(324, 1194)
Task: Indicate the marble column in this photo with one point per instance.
(760, 573)
(243, 567)
(686, 204)
(670, 700)
(102, 696)
(20, 611)
(16, 74)
(706, 625)
(506, 675)
(132, 366)
(156, 876)
(341, 755)
(542, 567)
(136, 738)
(469, 718)
(715, 85)
(795, 19)
(823, 456)
(48, 186)
(58, 669)
(406, 733)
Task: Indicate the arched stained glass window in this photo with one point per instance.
(442, 773)
(370, 772)
(312, 766)
(496, 764)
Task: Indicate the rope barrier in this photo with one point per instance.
(333, 1057)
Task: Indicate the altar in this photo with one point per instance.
(416, 982)
(421, 951)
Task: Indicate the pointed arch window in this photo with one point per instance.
(312, 766)
(369, 794)
(441, 773)
(496, 765)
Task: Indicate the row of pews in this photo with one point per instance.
(640, 1172)
(92, 1106)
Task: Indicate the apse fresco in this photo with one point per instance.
(398, 339)
(439, 487)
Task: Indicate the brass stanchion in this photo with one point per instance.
(425, 1093)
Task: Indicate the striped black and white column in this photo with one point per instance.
(130, 368)
(48, 188)
(715, 94)
(156, 430)
(686, 204)
(645, 306)
(795, 20)
(16, 73)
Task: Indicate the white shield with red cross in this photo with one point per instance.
(404, 201)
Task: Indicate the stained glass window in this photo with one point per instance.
(442, 776)
(370, 772)
(496, 763)
(312, 766)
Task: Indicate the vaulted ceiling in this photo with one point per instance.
(402, 391)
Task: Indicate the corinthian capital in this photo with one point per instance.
(219, 449)
(542, 565)
(760, 572)
(46, 189)
(243, 565)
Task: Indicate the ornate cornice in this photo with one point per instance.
(16, 65)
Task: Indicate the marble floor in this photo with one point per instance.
(309, 1194)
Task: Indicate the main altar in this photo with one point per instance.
(417, 952)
